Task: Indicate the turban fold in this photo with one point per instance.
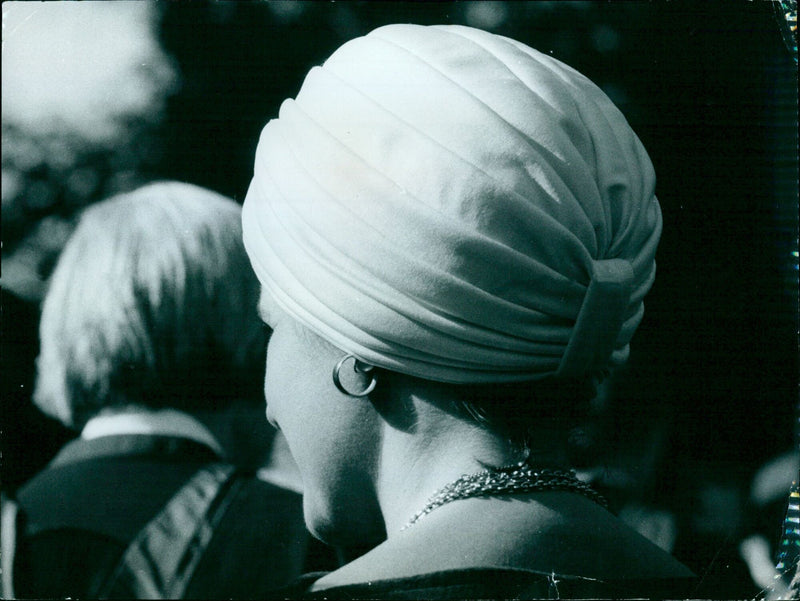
(454, 205)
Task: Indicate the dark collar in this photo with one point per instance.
(130, 445)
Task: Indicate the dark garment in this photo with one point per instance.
(80, 513)
(493, 583)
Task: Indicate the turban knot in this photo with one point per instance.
(454, 205)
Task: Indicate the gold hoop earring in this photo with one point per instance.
(359, 368)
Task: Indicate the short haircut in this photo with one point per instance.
(152, 303)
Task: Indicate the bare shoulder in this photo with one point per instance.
(559, 532)
(569, 534)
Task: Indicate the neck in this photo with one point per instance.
(419, 460)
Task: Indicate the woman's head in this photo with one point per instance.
(453, 206)
(150, 304)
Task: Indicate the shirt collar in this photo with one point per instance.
(164, 422)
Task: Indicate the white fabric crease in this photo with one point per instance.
(440, 200)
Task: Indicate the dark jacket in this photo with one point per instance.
(77, 517)
(494, 583)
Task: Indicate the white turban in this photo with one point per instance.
(451, 204)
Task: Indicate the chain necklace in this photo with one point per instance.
(515, 479)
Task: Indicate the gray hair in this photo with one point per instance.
(152, 303)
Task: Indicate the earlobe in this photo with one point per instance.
(359, 367)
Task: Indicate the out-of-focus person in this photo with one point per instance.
(454, 234)
(773, 529)
(150, 349)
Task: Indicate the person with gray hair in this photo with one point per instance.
(150, 348)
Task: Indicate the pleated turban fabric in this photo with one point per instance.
(454, 205)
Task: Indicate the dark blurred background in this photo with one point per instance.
(710, 395)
